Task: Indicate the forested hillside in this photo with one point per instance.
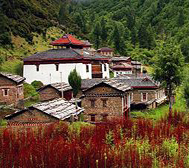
(134, 27)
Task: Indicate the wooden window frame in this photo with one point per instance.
(105, 68)
(57, 67)
(37, 68)
(92, 103)
(142, 96)
(5, 92)
(104, 102)
(87, 68)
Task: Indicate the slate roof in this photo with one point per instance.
(104, 49)
(15, 78)
(58, 108)
(127, 80)
(120, 58)
(54, 54)
(87, 83)
(58, 86)
(118, 85)
(138, 82)
(122, 66)
(64, 54)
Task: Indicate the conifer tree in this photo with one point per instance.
(96, 35)
(104, 29)
(74, 80)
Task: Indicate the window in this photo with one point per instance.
(57, 67)
(143, 96)
(5, 92)
(104, 67)
(37, 68)
(93, 117)
(104, 102)
(87, 68)
(92, 103)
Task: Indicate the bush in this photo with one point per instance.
(37, 84)
(29, 91)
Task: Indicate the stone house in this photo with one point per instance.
(45, 113)
(54, 91)
(106, 99)
(11, 89)
(146, 93)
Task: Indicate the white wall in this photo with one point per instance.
(117, 73)
(47, 72)
(105, 74)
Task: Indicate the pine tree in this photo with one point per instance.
(180, 19)
(74, 80)
(96, 35)
(103, 29)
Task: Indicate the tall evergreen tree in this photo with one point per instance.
(180, 19)
(96, 35)
(103, 30)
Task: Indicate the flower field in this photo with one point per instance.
(132, 143)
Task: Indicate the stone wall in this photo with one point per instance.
(151, 94)
(14, 91)
(32, 116)
(49, 93)
(113, 104)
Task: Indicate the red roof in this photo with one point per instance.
(66, 40)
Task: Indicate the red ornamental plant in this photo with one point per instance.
(118, 143)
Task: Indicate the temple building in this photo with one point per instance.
(68, 53)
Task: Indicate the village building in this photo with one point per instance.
(146, 93)
(122, 68)
(106, 51)
(54, 91)
(11, 89)
(121, 59)
(106, 99)
(55, 65)
(125, 65)
(45, 113)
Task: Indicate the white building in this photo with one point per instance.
(55, 65)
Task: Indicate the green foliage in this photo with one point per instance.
(168, 66)
(37, 84)
(3, 123)
(74, 80)
(170, 147)
(29, 91)
(14, 67)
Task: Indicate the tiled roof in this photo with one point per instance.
(58, 86)
(104, 49)
(54, 54)
(64, 54)
(137, 82)
(112, 83)
(87, 83)
(14, 78)
(58, 108)
(68, 39)
(122, 66)
(120, 58)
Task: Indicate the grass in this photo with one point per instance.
(162, 111)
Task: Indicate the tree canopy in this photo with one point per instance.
(168, 66)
